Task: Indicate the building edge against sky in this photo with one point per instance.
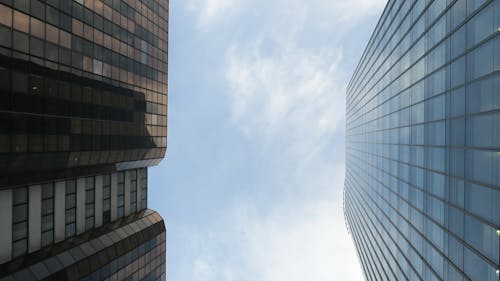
(83, 114)
(422, 188)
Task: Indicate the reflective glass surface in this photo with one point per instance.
(422, 187)
(83, 87)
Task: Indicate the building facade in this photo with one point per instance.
(83, 114)
(422, 187)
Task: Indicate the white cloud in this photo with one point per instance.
(350, 12)
(209, 11)
(296, 240)
(280, 80)
(296, 92)
(203, 269)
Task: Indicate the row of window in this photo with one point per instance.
(402, 222)
(480, 77)
(404, 109)
(484, 52)
(20, 205)
(65, 48)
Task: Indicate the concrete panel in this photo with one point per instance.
(80, 205)
(35, 218)
(98, 201)
(127, 193)
(6, 229)
(60, 211)
(114, 196)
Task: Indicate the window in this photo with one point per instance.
(89, 203)
(5, 36)
(5, 15)
(483, 201)
(133, 191)
(417, 113)
(484, 95)
(457, 102)
(21, 42)
(481, 26)
(106, 199)
(37, 9)
(65, 39)
(482, 237)
(479, 61)
(456, 222)
(457, 42)
(70, 208)
(435, 133)
(36, 47)
(121, 194)
(51, 52)
(21, 22)
(52, 15)
(483, 130)
(457, 157)
(47, 214)
(144, 188)
(19, 222)
(23, 5)
(457, 72)
(435, 108)
(483, 166)
(435, 158)
(457, 132)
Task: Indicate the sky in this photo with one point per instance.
(251, 186)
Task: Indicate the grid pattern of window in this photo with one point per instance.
(70, 216)
(47, 196)
(132, 249)
(133, 191)
(106, 199)
(88, 77)
(47, 214)
(143, 263)
(19, 222)
(89, 202)
(422, 190)
(121, 194)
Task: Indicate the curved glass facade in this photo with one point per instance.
(422, 189)
(83, 87)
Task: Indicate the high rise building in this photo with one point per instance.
(83, 113)
(422, 187)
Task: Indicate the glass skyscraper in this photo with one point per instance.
(422, 187)
(83, 114)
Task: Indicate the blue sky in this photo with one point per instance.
(251, 185)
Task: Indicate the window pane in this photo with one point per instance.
(47, 206)
(70, 216)
(70, 201)
(21, 42)
(70, 230)
(19, 248)
(20, 213)
(19, 231)
(47, 238)
(47, 222)
(484, 94)
(484, 202)
(479, 61)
